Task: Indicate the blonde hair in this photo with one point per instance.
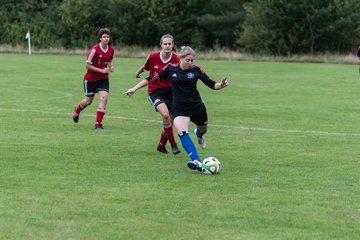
(186, 50)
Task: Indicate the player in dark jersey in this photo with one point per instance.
(96, 79)
(187, 103)
(160, 92)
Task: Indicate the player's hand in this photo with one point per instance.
(106, 70)
(129, 92)
(224, 82)
(110, 66)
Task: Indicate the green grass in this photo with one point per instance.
(287, 135)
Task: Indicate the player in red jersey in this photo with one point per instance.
(160, 92)
(96, 79)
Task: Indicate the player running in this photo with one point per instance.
(187, 103)
(160, 92)
(96, 79)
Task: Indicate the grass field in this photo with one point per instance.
(287, 135)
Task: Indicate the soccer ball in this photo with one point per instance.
(211, 165)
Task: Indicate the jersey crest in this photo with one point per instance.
(190, 75)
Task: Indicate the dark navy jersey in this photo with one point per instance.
(185, 93)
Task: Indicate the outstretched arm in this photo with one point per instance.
(224, 82)
(211, 83)
(139, 85)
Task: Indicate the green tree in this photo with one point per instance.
(176, 17)
(130, 24)
(296, 26)
(347, 27)
(220, 20)
(81, 19)
(39, 17)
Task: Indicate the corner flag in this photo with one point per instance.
(27, 36)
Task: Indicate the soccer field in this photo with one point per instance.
(287, 135)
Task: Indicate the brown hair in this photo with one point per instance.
(171, 37)
(103, 31)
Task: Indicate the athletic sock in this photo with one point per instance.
(189, 146)
(79, 108)
(100, 115)
(163, 139)
(169, 133)
(199, 134)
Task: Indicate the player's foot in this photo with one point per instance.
(201, 140)
(175, 149)
(162, 149)
(99, 126)
(75, 117)
(195, 165)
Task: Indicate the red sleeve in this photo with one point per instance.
(148, 61)
(91, 56)
(146, 64)
(112, 54)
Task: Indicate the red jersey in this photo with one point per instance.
(99, 58)
(155, 63)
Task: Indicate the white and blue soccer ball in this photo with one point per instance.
(211, 166)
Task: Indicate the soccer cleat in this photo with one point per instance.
(194, 165)
(162, 149)
(99, 126)
(201, 140)
(175, 149)
(75, 117)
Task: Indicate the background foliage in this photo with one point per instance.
(253, 26)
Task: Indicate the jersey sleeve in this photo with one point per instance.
(206, 79)
(112, 54)
(90, 56)
(147, 66)
(164, 73)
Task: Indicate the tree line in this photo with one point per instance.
(275, 27)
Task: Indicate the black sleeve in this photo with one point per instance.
(163, 73)
(206, 79)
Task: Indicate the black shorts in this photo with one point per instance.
(162, 95)
(197, 114)
(91, 88)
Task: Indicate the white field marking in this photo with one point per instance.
(311, 132)
(63, 95)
